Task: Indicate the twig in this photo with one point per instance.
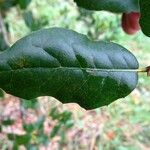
(148, 70)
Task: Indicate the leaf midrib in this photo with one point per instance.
(74, 68)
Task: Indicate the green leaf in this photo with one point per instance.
(28, 18)
(55, 130)
(3, 44)
(15, 146)
(37, 125)
(40, 122)
(6, 4)
(43, 139)
(110, 5)
(22, 139)
(30, 22)
(33, 23)
(7, 122)
(28, 127)
(54, 113)
(19, 139)
(24, 3)
(11, 137)
(33, 103)
(69, 124)
(1, 94)
(68, 66)
(65, 116)
(32, 147)
(145, 16)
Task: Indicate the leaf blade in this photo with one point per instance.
(110, 5)
(145, 13)
(42, 61)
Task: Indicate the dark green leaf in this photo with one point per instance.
(7, 122)
(28, 127)
(110, 5)
(145, 16)
(55, 130)
(34, 23)
(29, 104)
(22, 139)
(54, 113)
(11, 137)
(6, 4)
(68, 66)
(3, 44)
(37, 125)
(65, 116)
(19, 139)
(15, 146)
(29, 20)
(1, 93)
(24, 3)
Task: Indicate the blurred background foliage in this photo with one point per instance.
(47, 124)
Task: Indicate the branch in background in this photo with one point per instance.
(4, 44)
(148, 70)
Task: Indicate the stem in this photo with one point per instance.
(141, 70)
(147, 69)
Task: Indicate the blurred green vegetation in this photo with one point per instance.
(128, 119)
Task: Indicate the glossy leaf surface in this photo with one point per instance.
(110, 5)
(68, 66)
(145, 16)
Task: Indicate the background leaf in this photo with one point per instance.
(6, 4)
(7, 122)
(29, 20)
(110, 5)
(29, 104)
(68, 66)
(3, 43)
(19, 139)
(1, 94)
(23, 139)
(145, 15)
(24, 3)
